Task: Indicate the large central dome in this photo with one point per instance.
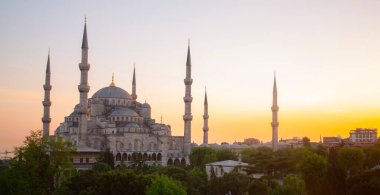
(112, 92)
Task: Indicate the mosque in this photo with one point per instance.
(112, 119)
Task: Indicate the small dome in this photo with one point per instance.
(124, 112)
(112, 92)
(145, 105)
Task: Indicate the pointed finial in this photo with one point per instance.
(275, 83)
(48, 63)
(113, 81)
(188, 42)
(84, 40)
(188, 61)
(205, 96)
(134, 74)
(161, 118)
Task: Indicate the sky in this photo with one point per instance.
(325, 55)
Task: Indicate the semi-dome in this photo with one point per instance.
(112, 92)
(124, 112)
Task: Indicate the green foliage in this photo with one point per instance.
(313, 169)
(39, 166)
(248, 155)
(226, 154)
(107, 157)
(367, 182)
(197, 183)
(321, 150)
(293, 185)
(232, 182)
(350, 158)
(202, 155)
(163, 185)
(373, 155)
(101, 167)
(259, 187)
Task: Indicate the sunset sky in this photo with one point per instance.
(326, 55)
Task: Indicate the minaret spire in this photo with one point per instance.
(205, 120)
(83, 88)
(275, 123)
(134, 95)
(84, 40)
(47, 103)
(187, 117)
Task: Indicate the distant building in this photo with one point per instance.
(332, 141)
(295, 142)
(252, 141)
(363, 135)
(222, 167)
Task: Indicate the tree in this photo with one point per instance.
(197, 183)
(202, 155)
(163, 185)
(313, 169)
(39, 165)
(107, 157)
(351, 159)
(230, 183)
(249, 154)
(306, 142)
(226, 154)
(366, 182)
(293, 185)
(373, 155)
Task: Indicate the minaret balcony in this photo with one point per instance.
(46, 103)
(188, 81)
(205, 116)
(275, 124)
(275, 108)
(83, 66)
(46, 120)
(187, 99)
(47, 87)
(187, 117)
(83, 88)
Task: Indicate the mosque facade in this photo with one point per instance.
(113, 119)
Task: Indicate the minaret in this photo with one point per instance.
(187, 117)
(134, 95)
(47, 103)
(84, 88)
(274, 117)
(205, 121)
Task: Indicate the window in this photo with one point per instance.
(81, 160)
(87, 160)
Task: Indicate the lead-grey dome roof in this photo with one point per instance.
(124, 112)
(112, 92)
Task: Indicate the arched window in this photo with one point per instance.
(145, 156)
(183, 162)
(154, 157)
(118, 157)
(176, 162)
(159, 157)
(170, 162)
(125, 157)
